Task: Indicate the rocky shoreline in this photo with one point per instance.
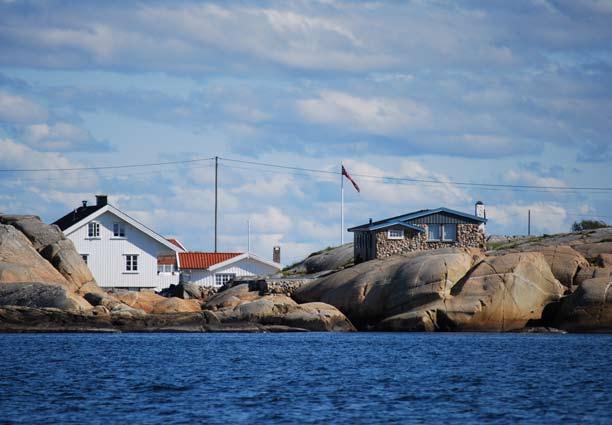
(552, 284)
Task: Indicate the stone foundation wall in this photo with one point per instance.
(468, 236)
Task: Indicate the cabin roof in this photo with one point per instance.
(381, 224)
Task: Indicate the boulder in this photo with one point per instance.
(143, 300)
(500, 294)
(40, 295)
(317, 317)
(587, 273)
(20, 262)
(374, 290)
(151, 303)
(594, 249)
(328, 259)
(189, 291)
(280, 310)
(176, 305)
(66, 260)
(564, 262)
(40, 234)
(231, 297)
(589, 308)
(604, 260)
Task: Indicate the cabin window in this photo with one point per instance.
(165, 268)
(433, 232)
(131, 263)
(449, 232)
(84, 257)
(395, 234)
(223, 278)
(93, 229)
(119, 230)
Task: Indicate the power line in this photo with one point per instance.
(415, 180)
(108, 167)
(385, 179)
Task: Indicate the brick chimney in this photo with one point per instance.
(276, 254)
(101, 200)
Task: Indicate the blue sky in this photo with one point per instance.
(483, 91)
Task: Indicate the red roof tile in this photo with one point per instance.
(203, 260)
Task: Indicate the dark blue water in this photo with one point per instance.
(305, 378)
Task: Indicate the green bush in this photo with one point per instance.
(588, 225)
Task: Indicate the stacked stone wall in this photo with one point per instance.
(468, 236)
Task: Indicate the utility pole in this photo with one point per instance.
(528, 222)
(216, 197)
(341, 205)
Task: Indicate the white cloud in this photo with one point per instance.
(60, 136)
(530, 178)
(512, 218)
(382, 116)
(19, 110)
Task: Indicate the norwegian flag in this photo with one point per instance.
(346, 174)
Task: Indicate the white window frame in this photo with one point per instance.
(93, 230)
(222, 278)
(444, 238)
(118, 230)
(131, 263)
(165, 269)
(396, 236)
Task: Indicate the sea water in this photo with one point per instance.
(306, 378)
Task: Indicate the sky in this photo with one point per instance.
(487, 92)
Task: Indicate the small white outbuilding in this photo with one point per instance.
(213, 269)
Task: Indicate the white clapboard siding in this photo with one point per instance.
(106, 255)
(241, 268)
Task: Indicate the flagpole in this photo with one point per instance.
(341, 205)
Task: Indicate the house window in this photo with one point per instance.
(433, 232)
(131, 263)
(93, 229)
(84, 257)
(222, 278)
(165, 268)
(119, 230)
(395, 234)
(449, 232)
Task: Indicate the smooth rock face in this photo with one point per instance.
(150, 302)
(448, 289)
(589, 308)
(371, 291)
(176, 305)
(63, 256)
(39, 233)
(231, 297)
(20, 262)
(564, 262)
(242, 305)
(331, 259)
(501, 294)
(36, 294)
(592, 272)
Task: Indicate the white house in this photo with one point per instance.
(120, 251)
(217, 268)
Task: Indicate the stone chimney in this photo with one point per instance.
(276, 254)
(101, 200)
(84, 203)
